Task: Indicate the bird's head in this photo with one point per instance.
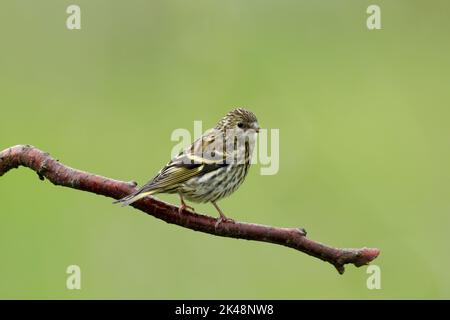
(240, 120)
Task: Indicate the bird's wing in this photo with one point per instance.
(204, 155)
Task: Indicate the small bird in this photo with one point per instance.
(211, 168)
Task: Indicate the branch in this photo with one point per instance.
(59, 174)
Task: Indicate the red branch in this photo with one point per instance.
(59, 174)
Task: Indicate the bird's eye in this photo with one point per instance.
(240, 125)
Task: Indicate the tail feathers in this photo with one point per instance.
(135, 196)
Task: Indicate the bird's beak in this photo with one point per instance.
(256, 127)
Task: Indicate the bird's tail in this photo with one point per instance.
(135, 196)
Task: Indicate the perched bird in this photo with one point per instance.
(212, 168)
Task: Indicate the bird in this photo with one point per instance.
(211, 168)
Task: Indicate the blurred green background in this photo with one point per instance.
(364, 144)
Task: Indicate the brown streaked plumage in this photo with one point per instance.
(212, 168)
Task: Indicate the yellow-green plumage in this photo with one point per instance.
(213, 167)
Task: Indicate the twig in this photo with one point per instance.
(59, 174)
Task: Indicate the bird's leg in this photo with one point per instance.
(183, 206)
(222, 217)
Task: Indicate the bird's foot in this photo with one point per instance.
(183, 207)
(223, 219)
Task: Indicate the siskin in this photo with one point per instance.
(212, 168)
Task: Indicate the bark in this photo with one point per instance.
(62, 175)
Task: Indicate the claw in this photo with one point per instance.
(223, 219)
(183, 207)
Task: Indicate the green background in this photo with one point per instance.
(364, 144)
